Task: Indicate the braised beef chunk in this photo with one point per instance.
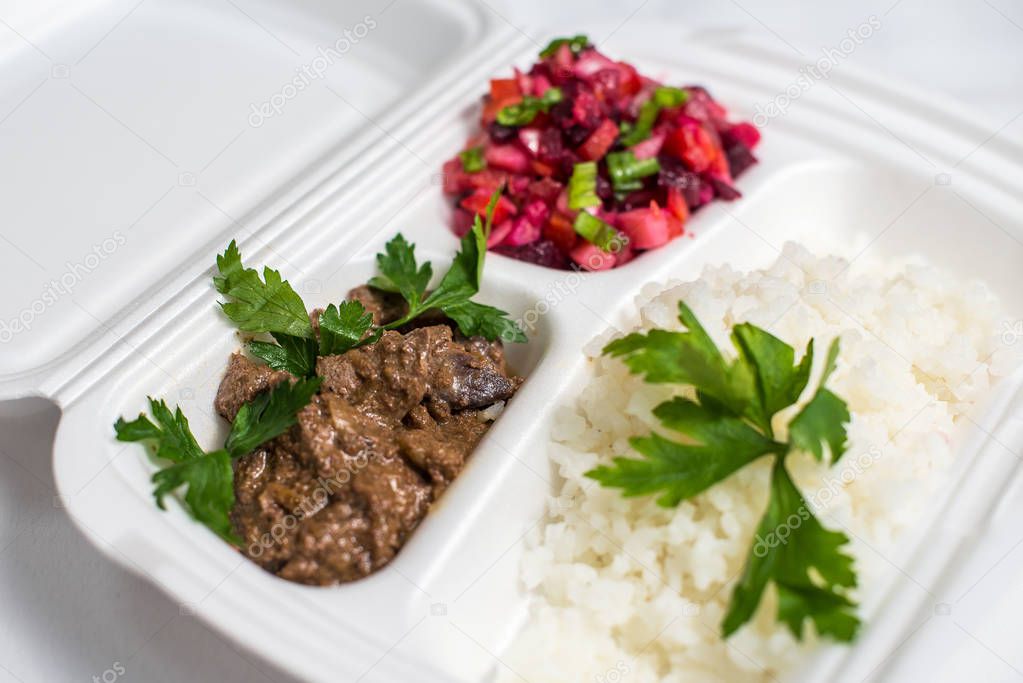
(440, 448)
(388, 378)
(244, 380)
(336, 497)
(335, 439)
(466, 379)
(386, 307)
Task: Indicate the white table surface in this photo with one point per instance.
(70, 615)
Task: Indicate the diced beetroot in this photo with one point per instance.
(724, 187)
(524, 81)
(462, 222)
(541, 84)
(523, 231)
(590, 62)
(606, 85)
(530, 139)
(625, 253)
(488, 179)
(746, 133)
(739, 158)
(650, 147)
(590, 257)
(586, 109)
(564, 57)
(702, 107)
(518, 185)
(510, 157)
(498, 233)
(477, 203)
(527, 226)
(630, 82)
(600, 141)
(559, 230)
(562, 204)
(542, 252)
(455, 179)
(552, 146)
(645, 228)
(545, 189)
(536, 211)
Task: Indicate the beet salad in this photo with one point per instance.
(597, 162)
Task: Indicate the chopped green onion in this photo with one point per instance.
(473, 160)
(663, 96)
(627, 171)
(582, 187)
(576, 43)
(524, 112)
(596, 232)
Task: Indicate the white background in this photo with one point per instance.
(68, 614)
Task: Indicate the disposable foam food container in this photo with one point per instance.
(175, 93)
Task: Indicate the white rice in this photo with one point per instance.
(624, 590)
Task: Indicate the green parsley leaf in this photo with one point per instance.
(822, 421)
(460, 283)
(680, 471)
(480, 320)
(779, 383)
(728, 427)
(576, 43)
(259, 305)
(400, 273)
(344, 327)
(803, 560)
(627, 172)
(173, 436)
(209, 477)
(596, 232)
(210, 494)
(582, 187)
(269, 415)
(523, 113)
(663, 97)
(473, 159)
(296, 355)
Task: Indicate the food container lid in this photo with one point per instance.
(134, 153)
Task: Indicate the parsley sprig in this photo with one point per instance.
(268, 304)
(400, 273)
(209, 476)
(728, 426)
